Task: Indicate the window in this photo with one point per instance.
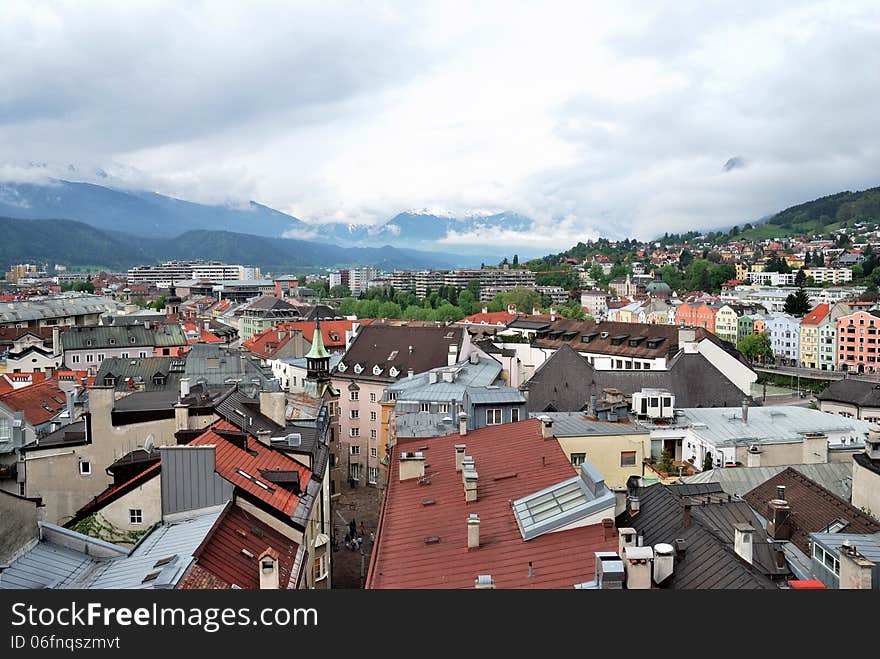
(100, 358)
(5, 430)
(373, 398)
(627, 458)
(374, 452)
(577, 459)
(135, 516)
(142, 354)
(373, 474)
(352, 395)
(443, 408)
(392, 395)
(90, 358)
(354, 449)
(372, 416)
(109, 381)
(424, 407)
(514, 415)
(354, 432)
(319, 568)
(373, 434)
(85, 468)
(354, 471)
(493, 417)
(825, 558)
(124, 355)
(354, 414)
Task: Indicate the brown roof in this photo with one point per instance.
(812, 507)
(40, 402)
(513, 460)
(403, 347)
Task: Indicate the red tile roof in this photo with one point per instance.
(817, 315)
(39, 402)
(222, 555)
(490, 318)
(512, 460)
(332, 331)
(204, 336)
(230, 459)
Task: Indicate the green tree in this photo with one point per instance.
(797, 303)
(340, 291)
(467, 302)
(672, 276)
(800, 278)
(525, 299)
(390, 310)
(665, 464)
(348, 306)
(515, 261)
(685, 258)
(755, 347)
(596, 272)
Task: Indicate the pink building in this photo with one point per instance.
(858, 340)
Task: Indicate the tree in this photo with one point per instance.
(672, 276)
(685, 258)
(707, 462)
(800, 278)
(525, 299)
(596, 272)
(340, 291)
(797, 303)
(870, 294)
(756, 347)
(665, 465)
(515, 261)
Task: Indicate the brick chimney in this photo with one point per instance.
(470, 477)
(779, 516)
(459, 455)
(546, 427)
(686, 504)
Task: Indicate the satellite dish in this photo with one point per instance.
(148, 443)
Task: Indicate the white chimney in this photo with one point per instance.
(626, 537)
(753, 456)
(410, 373)
(184, 388)
(268, 566)
(637, 561)
(872, 443)
(484, 310)
(546, 427)
(743, 539)
(462, 424)
(553, 313)
(511, 309)
(745, 410)
(664, 562)
(56, 341)
(474, 358)
(412, 465)
(452, 355)
(536, 311)
(459, 455)
(473, 531)
(484, 582)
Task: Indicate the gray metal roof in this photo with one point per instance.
(216, 365)
(50, 565)
(564, 503)
(867, 544)
(142, 371)
(465, 374)
(577, 424)
(488, 395)
(57, 307)
(835, 476)
(775, 425)
(121, 336)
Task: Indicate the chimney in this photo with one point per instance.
(410, 373)
(872, 443)
(546, 427)
(745, 410)
(681, 546)
(459, 455)
(462, 424)
(274, 404)
(687, 340)
(815, 447)
(553, 312)
(637, 563)
(743, 537)
(207, 325)
(452, 355)
(511, 309)
(71, 409)
(686, 504)
(753, 456)
(18, 428)
(484, 310)
(664, 562)
(470, 483)
(536, 311)
(268, 562)
(474, 358)
(855, 570)
(626, 537)
(412, 465)
(484, 582)
(56, 340)
(779, 517)
(473, 531)
(184, 388)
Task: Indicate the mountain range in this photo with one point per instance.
(148, 214)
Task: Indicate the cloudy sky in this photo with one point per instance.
(609, 118)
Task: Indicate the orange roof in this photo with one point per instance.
(204, 336)
(490, 318)
(528, 463)
(40, 402)
(232, 460)
(817, 315)
(268, 342)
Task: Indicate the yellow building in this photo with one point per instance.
(726, 320)
(617, 449)
(809, 336)
(741, 270)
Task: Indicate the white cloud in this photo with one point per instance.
(617, 117)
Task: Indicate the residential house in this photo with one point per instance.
(595, 302)
(809, 336)
(846, 561)
(828, 336)
(479, 516)
(66, 311)
(736, 481)
(866, 476)
(616, 449)
(784, 332)
(264, 312)
(380, 355)
(696, 314)
(87, 347)
(851, 398)
(142, 374)
(857, 341)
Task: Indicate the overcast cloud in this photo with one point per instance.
(593, 118)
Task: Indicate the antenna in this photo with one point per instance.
(148, 443)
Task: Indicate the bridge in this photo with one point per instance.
(815, 374)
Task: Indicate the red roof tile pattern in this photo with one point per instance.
(816, 315)
(512, 460)
(270, 341)
(490, 318)
(196, 334)
(200, 579)
(237, 531)
(812, 507)
(230, 458)
(40, 402)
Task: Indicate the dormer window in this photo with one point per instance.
(377, 370)
(358, 368)
(112, 342)
(132, 339)
(393, 372)
(342, 367)
(88, 342)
